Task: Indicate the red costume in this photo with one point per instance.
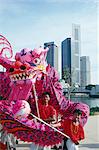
(46, 111)
(75, 132)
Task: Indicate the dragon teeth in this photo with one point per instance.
(22, 76)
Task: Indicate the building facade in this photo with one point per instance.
(66, 56)
(50, 54)
(71, 55)
(85, 75)
(53, 56)
(75, 54)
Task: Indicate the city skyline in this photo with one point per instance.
(32, 23)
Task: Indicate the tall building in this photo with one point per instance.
(71, 54)
(53, 56)
(85, 77)
(75, 54)
(50, 54)
(66, 56)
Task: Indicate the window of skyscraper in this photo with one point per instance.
(76, 34)
(76, 47)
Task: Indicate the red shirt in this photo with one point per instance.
(76, 133)
(46, 111)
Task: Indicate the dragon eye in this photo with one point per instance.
(11, 70)
(36, 61)
(22, 67)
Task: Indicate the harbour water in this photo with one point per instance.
(92, 102)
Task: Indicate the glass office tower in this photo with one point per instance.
(53, 56)
(71, 55)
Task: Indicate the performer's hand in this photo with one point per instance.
(49, 120)
(56, 124)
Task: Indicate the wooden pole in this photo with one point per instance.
(36, 100)
(50, 126)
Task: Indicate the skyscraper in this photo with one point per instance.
(53, 56)
(75, 54)
(66, 56)
(85, 71)
(50, 54)
(71, 54)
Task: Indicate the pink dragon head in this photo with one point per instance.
(38, 56)
(19, 71)
(34, 57)
(24, 55)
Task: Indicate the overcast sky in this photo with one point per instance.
(30, 23)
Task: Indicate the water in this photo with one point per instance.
(92, 102)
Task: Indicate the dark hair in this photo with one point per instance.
(77, 111)
(46, 93)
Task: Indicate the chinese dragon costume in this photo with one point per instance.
(21, 87)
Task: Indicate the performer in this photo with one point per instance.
(47, 111)
(73, 129)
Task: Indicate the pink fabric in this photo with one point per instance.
(6, 46)
(21, 109)
(20, 91)
(24, 55)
